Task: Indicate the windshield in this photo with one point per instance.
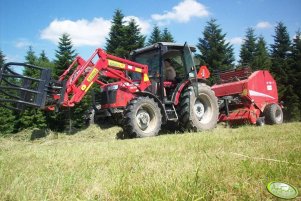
(151, 59)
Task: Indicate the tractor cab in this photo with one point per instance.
(169, 65)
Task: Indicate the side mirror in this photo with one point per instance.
(203, 73)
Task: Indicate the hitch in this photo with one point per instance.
(24, 85)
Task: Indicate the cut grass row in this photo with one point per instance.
(223, 164)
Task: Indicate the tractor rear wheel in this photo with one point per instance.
(142, 118)
(273, 114)
(198, 112)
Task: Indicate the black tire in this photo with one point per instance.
(198, 113)
(260, 121)
(142, 118)
(273, 114)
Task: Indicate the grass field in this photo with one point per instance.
(223, 164)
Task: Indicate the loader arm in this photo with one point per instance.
(72, 85)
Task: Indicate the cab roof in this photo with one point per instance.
(156, 45)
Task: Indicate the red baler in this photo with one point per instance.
(248, 97)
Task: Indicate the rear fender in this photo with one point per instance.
(178, 91)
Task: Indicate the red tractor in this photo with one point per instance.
(136, 91)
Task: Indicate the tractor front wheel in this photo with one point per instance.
(198, 112)
(142, 118)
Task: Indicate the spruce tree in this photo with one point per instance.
(166, 36)
(279, 56)
(30, 57)
(31, 117)
(43, 61)
(247, 50)
(284, 73)
(296, 65)
(115, 42)
(64, 55)
(6, 116)
(43, 57)
(2, 59)
(155, 36)
(216, 53)
(261, 58)
(134, 39)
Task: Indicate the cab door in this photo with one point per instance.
(190, 67)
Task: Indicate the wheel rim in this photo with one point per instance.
(146, 118)
(199, 109)
(203, 108)
(278, 115)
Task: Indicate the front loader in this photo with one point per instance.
(135, 90)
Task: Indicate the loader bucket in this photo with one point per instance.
(23, 85)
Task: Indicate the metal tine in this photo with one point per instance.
(12, 96)
(18, 101)
(20, 88)
(15, 85)
(21, 76)
(10, 107)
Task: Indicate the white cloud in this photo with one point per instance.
(22, 43)
(143, 24)
(182, 12)
(236, 41)
(13, 58)
(263, 25)
(82, 32)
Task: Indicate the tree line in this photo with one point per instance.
(282, 59)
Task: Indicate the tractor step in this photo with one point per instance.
(171, 111)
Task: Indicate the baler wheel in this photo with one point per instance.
(198, 113)
(142, 118)
(273, 114)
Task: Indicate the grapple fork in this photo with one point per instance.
(24, 85)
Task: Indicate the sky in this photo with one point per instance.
(39, 23)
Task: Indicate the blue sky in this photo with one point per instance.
(39, 23)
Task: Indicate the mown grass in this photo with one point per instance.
(223, 164)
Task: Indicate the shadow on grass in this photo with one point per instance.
(38, 133)
(170, 128)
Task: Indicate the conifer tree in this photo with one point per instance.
(2, 59)
(216, 53)
(30, 57)
(296, 65)
(6, 116)
(64, 56)
(115, 42)
(134, 39)
(43, 57)
(155, 36)
(247, 50)
(31, 117)
(279, 56)
(261, 58)
(43, 61)
(284, 73)
(166, 36)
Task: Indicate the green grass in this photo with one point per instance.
(223, 164)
